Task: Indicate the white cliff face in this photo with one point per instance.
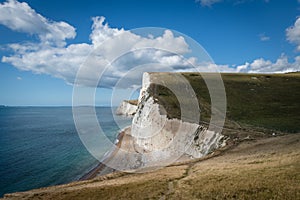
(145, 84)
(126, 109)
(162, 138)
(154, 140)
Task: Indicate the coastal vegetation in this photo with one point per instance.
(265, 101)
(267, 168)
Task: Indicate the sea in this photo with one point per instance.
(39, 146)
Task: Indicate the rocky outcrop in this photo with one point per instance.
(127, 108)
(165, 138)
(154, 139)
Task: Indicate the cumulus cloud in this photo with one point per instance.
(115, 52)
(293, 34)
(101, 31)
(282, 65)
(51, 54)
(261, 65)
(20, 17)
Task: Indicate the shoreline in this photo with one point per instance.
(101, 168)
(125, 142)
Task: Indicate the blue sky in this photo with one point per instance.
(239, 35)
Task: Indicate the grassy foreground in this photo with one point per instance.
(267, 168)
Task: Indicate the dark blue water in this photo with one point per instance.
(39, 146)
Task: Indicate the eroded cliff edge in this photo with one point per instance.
(127, 108)
(154, 131)
(157, 139)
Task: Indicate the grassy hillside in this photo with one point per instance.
(263, 169)
(256, 100)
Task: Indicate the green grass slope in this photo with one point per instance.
(268, 101)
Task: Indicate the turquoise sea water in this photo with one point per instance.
(39, 146)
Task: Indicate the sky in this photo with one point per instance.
(44, 44)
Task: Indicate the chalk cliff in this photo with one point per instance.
(163, 138)
(155, 139)
(127, 108)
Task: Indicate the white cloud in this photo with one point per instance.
(51, 55)
(242, 68)
(263, 37)
(19, 78)
(101, 30)
(208, 3)
(20, 17)
(293, 34)
(282, 65)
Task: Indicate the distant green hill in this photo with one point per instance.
(269, 101)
